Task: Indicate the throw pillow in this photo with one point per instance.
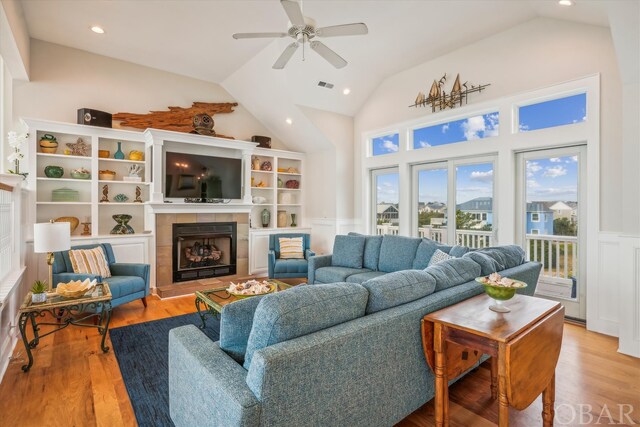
(425, 251)
(453, 272)
(291, 248)
(399, 287)
(89, 261)
(348, 251)
(439, 256)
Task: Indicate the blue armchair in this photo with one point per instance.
(128, 282)
(284, 268)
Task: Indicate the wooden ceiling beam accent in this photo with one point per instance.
(177, 119)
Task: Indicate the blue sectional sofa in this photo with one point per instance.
(327, 354)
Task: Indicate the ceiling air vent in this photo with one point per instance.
(325, 84)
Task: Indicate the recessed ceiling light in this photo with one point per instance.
(346, 91)
(98, 30)
(289, 121)
(565, 3)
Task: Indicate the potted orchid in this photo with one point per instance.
(16, 141)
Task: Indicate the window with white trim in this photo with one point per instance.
(386, 144)
(476, 127)
(556, 112)
(535, 217)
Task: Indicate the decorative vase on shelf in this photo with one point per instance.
(53, 171)
(265, 216)
(282, 219)
(122, 226)
(293, 220)
(119, 154)
(280, 183)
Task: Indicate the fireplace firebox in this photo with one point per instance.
(204, 250)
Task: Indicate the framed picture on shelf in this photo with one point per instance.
(186, 182)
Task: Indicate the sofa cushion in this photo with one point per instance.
(290, 266)
(348, 251)
(125, 285)
(363, 277)
(299, 311)
(336, 274)
(487, 264)
(397, 288)
(457, 251)
(397, 253)
(507, 256)
(425, 251)
(236, 321)
(371, 250)
(453, 272)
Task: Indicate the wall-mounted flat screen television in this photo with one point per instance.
(200, 176)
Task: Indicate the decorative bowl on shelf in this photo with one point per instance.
(106, 175)
(500, 289)
(72, 220)
(104, 154)
(75, 288)
(80, 173)
(53, 171)
(65, 195)
(120, 198)
(48, 144)
(136, 155)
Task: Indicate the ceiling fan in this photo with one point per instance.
(303, 30)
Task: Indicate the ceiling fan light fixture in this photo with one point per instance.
(97, 29)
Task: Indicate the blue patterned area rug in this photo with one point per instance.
(142, 351)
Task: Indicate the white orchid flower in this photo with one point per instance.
(13, 157)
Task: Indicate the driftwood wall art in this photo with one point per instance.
(439, 99)
(177, 119)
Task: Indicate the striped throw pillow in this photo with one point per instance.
(291, 248)
(90, 261)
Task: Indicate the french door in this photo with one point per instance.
(550, 222)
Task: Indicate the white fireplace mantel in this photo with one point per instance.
(177, 208)
(158, 140)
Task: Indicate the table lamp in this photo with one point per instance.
(50, 237)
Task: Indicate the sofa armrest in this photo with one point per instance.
(130, 269)
(67, 277)
(528, 272)
(316, 262)
(308, 254)
(271, 263)
(206, 386)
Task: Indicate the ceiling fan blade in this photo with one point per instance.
(328, 54)
(293, 11)
(343, 30)
(285, 56)
(258, 35)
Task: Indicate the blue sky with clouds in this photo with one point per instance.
(558, 112)
(477, 127)
(386, 144)
(552, 178)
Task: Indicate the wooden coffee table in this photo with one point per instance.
(211, 301)
(524, 346)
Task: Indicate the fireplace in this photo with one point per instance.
(203, 250)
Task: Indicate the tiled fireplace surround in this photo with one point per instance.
(164, 240)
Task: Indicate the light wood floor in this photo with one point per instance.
(72, 383)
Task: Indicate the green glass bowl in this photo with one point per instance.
(53, 171)
(500, 293)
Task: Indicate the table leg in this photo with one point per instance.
(548, 400)
(202, 315)
(494, 377)
(503, 400)
(36, 336)
(22, 324)
(440, 371)
(105, 308)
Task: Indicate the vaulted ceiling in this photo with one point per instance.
(193, 38)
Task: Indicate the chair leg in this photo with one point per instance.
(144, 301)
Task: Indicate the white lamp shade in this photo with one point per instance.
(51, 237)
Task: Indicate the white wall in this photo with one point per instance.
(14, 38)
(65, 79)
(539, 53)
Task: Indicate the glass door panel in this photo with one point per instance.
(386, 198)
(474, 205)
(432, 204)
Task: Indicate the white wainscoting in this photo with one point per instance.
(613, 298)
(629, 326)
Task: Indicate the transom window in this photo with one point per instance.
(387, 144)
(477, 127)
(557, 112)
